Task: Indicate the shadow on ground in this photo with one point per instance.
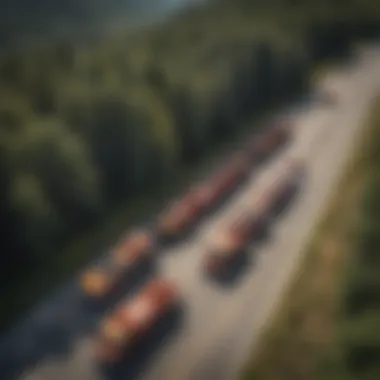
(234, 271)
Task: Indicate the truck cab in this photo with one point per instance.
(133, 319)
(227, 243)
(103, 279)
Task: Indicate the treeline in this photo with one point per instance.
(83, 129)
(35, 19)
(359, 327)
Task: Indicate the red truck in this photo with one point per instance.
(231, 241)
(178, 218)
(100, 281)
(233, 173)
(262, 146)
(183, 214)
(133, 319)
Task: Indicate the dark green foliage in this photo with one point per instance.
(116, 137)
(185, 116)
(361, 342)
(360, 329)
(362, 291)
(265, 76)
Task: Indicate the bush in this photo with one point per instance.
(368, 241)
(362, 291)
(361, 343)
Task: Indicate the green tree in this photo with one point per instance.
(40, 222)
(117, 135)
(61, 162)
(264, 72)
(362, 290)
(13, 245)
(361, 343)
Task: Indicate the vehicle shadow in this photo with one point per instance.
(231, 275)
(142, 355)
(243, 262)
(284, 204)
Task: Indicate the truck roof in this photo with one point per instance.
(261, 206)
(141, 310)
(177, 214)
(138, 236)
(96, 281)
(222, 241)
(114, 330)
(203, 192)
(134, 244)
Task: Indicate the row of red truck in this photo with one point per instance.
(233, 238)
(181, 215)
(131, 319)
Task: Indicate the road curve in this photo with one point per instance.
(222, 323)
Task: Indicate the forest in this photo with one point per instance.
(85, 128)
(20, 19)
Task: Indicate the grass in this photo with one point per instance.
(298, 340)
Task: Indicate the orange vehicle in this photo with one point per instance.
(238, 164)
(269, 141)
(181, 215)
(232, 241)
(178, 218)
(132, 320)
(136, 246)
(204, 196)
(100, 281)
(226, 244)
(232, 174)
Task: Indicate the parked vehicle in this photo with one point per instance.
(263, 146)
(232, 174)
(133, 319)
(181, 215)
(136, 246)
(231, 241)
(178, 218)
(102, 280)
